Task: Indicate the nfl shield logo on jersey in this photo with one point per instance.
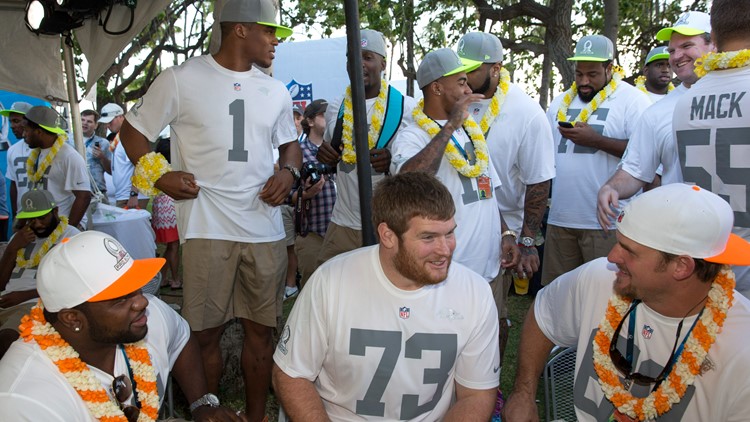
(237, 86)
(404, 312)
(647, 331)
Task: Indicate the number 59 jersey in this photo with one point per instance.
(224, 127)
(375, 352)
(712, 129)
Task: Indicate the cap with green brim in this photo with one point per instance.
(49, 119)
(594, 48)
(658, 53)
(442, 62)
(19, 107)
(262, 12)
(36, 203)
(689, 24)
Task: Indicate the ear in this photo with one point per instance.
(72, 319)
(684, 267)
(435, 88)
(388, 238)
(382, 65)
(495, 69)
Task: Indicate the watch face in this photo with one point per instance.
(527, 241)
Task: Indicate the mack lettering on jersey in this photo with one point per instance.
(722, 106)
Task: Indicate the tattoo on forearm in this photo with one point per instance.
(429, 159)
(535, 204)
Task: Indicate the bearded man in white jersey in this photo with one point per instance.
(414, 337)
(226, 118)
(653, 144)
(520, 145)
(591, 124)
(388, 110)
(712, 121)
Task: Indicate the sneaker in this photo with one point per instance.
(290, 292)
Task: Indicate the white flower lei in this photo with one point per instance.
(725, 60)
(33, 176)
(498, 99)
(33, 261)
(590, 108)
(376, 122)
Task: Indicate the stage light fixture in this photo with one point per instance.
(52, 17)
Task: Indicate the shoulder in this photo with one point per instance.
(69, 153)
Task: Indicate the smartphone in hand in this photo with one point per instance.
(565, 124)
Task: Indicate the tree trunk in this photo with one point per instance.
(558, 38)
(545, 83)
(611, 19)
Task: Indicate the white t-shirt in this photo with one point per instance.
(712, 129)
(67, 173)
(581, 171)
(521, 149)
(569, 312)
(33, 389)
(374, 351)
(16, 169)
(652, 143)
(224, 127)
(478, 220)
(24, 279)
(122, 173)
(655, 98)
(346, 210)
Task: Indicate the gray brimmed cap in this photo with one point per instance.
(373, 41)
(36, 203)
(253, 11)
(19, 107)
(49, 119)
(594, 48)
(480, 47)
(658, 53)
(442, 62)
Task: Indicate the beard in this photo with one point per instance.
(408, 266)
(47, 231)
(586, 98)
(100, 334)
(484, 87)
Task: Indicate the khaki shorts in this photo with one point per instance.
(307, 249)
(566, 249)
(10, 318)
(225, 279)
(287, 215)
(338, 240)
(500, 290)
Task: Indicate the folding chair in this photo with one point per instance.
(559, 374)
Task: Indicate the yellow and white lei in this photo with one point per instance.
(50, 241)
(640, 83)
(725, 60)
(590, 108)
(149, 169)
(376, 122)
(454, 157)
(498, 99)
(35, 177)
(684, 371)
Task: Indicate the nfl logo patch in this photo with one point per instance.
(237, 86)
(619, 217)
(364, 43)
(404, 312)
(647, 331)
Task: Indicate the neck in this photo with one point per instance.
(88, 135)
(233, 62)
(681, 303)
(91, 353)
(434, 109)
(734, 45)
(372, 91)
(48, 142)
(491, 90)
(315, 137)
(653, 89)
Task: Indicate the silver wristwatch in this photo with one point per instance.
(527, 241)
(207, 400)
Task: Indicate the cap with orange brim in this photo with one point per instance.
(737, 252)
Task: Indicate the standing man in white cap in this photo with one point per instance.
(656, 78)
(520, 145)
(446, 142)
(226, 118)
(653, 144)
(55, 165)
(96, 348)
(660, 332)
(591, 124)
(17, 153)
(388, 111)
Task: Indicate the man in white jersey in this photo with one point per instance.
(712, 121)
(442, 124)
(226, 119)
(656, 78)
(415, 338)
(98, 155)
(660, 320)
(385, 105)
(521, 150)
(653, 145)
(97, 348)
(591, 124)
(17, 153)
(57, 166)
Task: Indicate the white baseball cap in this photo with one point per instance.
(682, 219)
(109, 112)
(90, 267)
(689, 24)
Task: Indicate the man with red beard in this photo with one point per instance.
(415, 338)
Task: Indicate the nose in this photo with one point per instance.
(615, 254)
(139, 301)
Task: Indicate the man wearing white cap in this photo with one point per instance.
(656, 78)
(388, 111)
(652, 155)
(591, 124)
(55, 165)
(95, 347)
(17, 153)
(660, 332)
(446, 142)
(226, 119)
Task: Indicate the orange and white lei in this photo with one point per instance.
(33, 176)
(725, 60)
(35, 327)
(640, 83)
(454, 157)
(376, 123)
(50, 241)
(498, 99)
(684, 371)
(593, 105)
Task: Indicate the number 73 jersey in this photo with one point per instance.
(712, 129)
(375, 352)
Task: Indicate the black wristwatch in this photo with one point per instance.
(133, 193)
